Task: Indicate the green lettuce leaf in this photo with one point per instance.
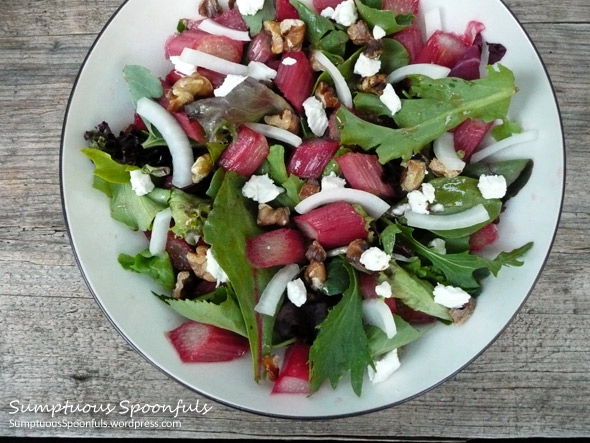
(341, 345)
(255, 22)
(390, 21)
(142, 83)
(107, 168)
(275, 165)
(379, 344)
(157, 267)
(189, 213)
(437, 106)
(506, 129)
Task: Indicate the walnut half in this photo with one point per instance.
(413, 175)
(286, 120)
(187, 89)
(293, 32)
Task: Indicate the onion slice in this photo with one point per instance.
(374, 206)
(524, 137)
(212, 27)
(216, 64)
(342, 89)
(271, 296)
(428, 69)
(160, 229)
(444, 149)
(471, 217)
(175, 137)
(276, 133)
(377, 313)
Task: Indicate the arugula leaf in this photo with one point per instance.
(459, 268)
(157, 267)
(516, 172)
(341, 345)
(316, 26)
(390, 21)
(413, 291)
(228, 226)
(221, 310)
(142, 83)
(255, 22)
(107, 168)
(189, 213)
(379, 344)
(437, 107)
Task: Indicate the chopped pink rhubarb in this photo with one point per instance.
(484, 237)
(260, 49)
(193, 129)
(276, 248)
(333, 225)
(217, 45)
(364, 172)
(295, 80)
(469, 135)
(285, 10)
(443, 48)
(311, 157)
(402, 6)
(245, 154)
(294, 375)
(232, 19)
(411, 39)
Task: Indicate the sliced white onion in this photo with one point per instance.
(428, 69)
(374, 206)
(471, 217)
(485, 57)
(160, 229)
(524, 137)
(175, 137)
(212, 27)
(432, 21)
(342, 89)
(403, 258)
(377, 313)
(208, 61)
(276, 133)
(271, 296)
(337, 251)
(444, 149)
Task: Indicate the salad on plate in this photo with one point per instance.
(316, 182)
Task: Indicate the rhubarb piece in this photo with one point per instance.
(217, 45)
(402, 6)
(295, 80)
(285, 10)
(320, 5)
(276, 248)
(410, 315)
(484, 237)
(245, 154)
(311, 157)
(411, 39)
(294, 374)
(443, 48)
(215, 78)
(367, 285)
(469, 135)
(177, 248)
(193, 129)
(364, 172)
(333, 225)
(198, 343)
(260, 49)
(232, 19)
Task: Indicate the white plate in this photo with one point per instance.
(136, 35)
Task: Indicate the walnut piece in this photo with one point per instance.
(273, 29)
(209, 8)
(413, 175)
(271, 366)
(286, 120)
(293, 32)
(187, 89)
(198, 262)
(201, 168)
(460, 315)
(374, 84)
(316, 252)
(310, 188)
(315, 275)
(182, 279)
(326, 94)
(353, 254)
(441, 170)
(268, 216)
(374, 49)
(359, 33)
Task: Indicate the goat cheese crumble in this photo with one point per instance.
(374, 259)
(214, 269)
(384, 367)
(332, 181)
(384, 290)
(344, 14)
(259, 71)
(316, 116)
(492, 186)
(141, 183)
(249, 7)
(230, 82)
(296, 292)
(450, 296)
(261, 188)
(390, 99)
(378, 32)
(421, 198)
(367, 67)
(289, 61)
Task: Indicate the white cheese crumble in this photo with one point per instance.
(450, 296)
(332, 181)
(327, 12)
(345, 13)
(182, 67)
(316, 116)
(289, 61)
(401, 209)
(261, 188)
(438, 245)
(384, 290)
(390, 99)
(367, 67)
(214, 269)
(378, 32)
(420, 199)
(374, 259)
(249, 7)
(296, 292)
(230, 82)
(141, 183)
(259, 71)
(437, 207)
(384, 367)
(492, 186)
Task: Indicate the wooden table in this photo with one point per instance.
(56, 344)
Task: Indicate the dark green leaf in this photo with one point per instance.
(157, 267)
(390, 21)
(255, 22)
(316, 26)
(334, 45)
(372, 104)
(516, 173)
(337, 280)
(216, 182)
(394, 56)
(388, 236)
(379, 344)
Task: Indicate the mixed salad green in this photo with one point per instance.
(306, 179)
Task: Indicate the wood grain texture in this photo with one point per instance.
(56, 344)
